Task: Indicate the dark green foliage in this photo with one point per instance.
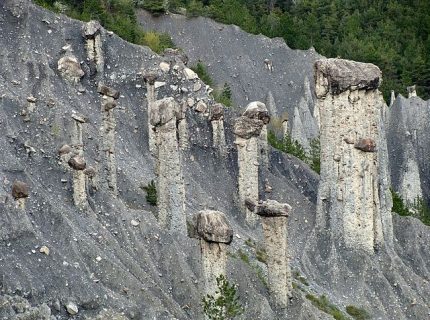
(203, 73)
(287, 145)
(419, 209)
(151, 193)
(398, 206)
(225, 304)
(391, 34)
(156, 7)
(324, 305)
(115, 15)
(224, 95)
(357, 313)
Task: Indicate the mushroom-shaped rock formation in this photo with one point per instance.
(274, 221)
(352, 193)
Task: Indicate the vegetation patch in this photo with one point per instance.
(151, 193)
(324, 305)
(298, 276)
(240, 254)
(225, 303)
(293, 147)
(357, 313)
(115, 15)
(419, 209)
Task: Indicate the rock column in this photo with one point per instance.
(215, 234)
(349, 203)
(77, 163)
(258, 110)
(151, 97)
(91, 31)
(170, 183)
(274, 221)
(247, 132)
(216, 118)
(107, 133)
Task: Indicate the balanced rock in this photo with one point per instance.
(20, 190)
(77, 163)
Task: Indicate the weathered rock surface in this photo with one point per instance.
(100, 260)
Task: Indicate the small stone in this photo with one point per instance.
(164, 66)
(197, 86)
(190, 102)
(190, 74)
(72, 308)
(135, 223)
(201, 107)
(159, 84)
(44, 249)
(98, 258)
(65, 149)
(31, 99)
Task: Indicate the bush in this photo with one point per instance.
(357, 313)
(224, 95)
(151, 193)
(203, 73)
(156, 7)
(324, 305)
(419, 209)
(225, 304)
(287, 145)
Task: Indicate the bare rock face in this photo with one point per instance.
(70, 68)
(247, 128)
(213, 226)
(91, 29)
(257, 110)
(77, 163)
(335, 76)
(350, 200)
(107, 91)
(20, 190)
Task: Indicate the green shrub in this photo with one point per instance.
(225, 304)
(151, 193)
(156, 7)
(287, 145)
(224, 95)
(203, 73)
(315, 155)
(419, 209)
(357, 313)
(399, 206)
(324, 305)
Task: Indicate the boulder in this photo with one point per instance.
(107, 91)
(257, 110)
(366, 145)
(77, 163)
(212, 226)
(20, 190)
(247, 128)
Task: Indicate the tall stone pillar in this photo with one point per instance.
(216, 118)
(258, 110)
(91, 31)
(151, 97)
(78, 164)
(247, 132)
(392, 98)
(107, 133)
(170, 182)
(215, 234)
(274, 221)
(349, 199)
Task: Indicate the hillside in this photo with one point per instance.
(110, 255)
